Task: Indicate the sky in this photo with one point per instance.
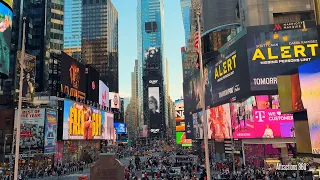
(174, 40)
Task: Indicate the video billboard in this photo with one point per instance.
(72, 77)
(103, 94)
(32, 128)
(229, 74)
(179, 115)
(5, 39)
(310, 86)
(121, 128)
(152, 54)
(191, 92)
(219, 122)
(154, 109)
(115, 100)
(144, 131)
(108, 130)
(276, 49)
(9, 3)
(29, 71)
(50, 132)
(182, 140)
(260, 117)
(92, 88)
(197, 124)
(82, 122)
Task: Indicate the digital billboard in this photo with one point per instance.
(72, 77)
(191, 92)
(273, 51)
(179, 115)
(260, 117)
(228, 78)
(219, 122)
(115, 100)
(310, 87)
(103, 94)
(50, 132)
(154, 109)
(32, 128)
(92, 88)
(144, 131)
(9, 3)
(5, 39)
(29, 71)
(152, 54)
(197, 124)
(182, 140)
(83, 122)
(121, 128)
(108, 129)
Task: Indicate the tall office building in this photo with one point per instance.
(100, 40)
(72, 29)
(152, 83)
(185, 10)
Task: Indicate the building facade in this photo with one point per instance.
(185, 10)
(151, 57)
(72, 29)
(100, 40)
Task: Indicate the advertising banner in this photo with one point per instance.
(153, 54)
(32, 129)
(179, 115)
(274, 50)
(198, 129)
(92, 88)
(82, 122)
(191, 92)
(108, 132)
(219, 122)
(103, 94)
(229, 74)
(50, 133)
(182, 140)
(121, 128)
(115, 100)
(9, 3)
(72, 77)
(154, 109)
(310, 86)
(5, 39)
(29, 71)
(144, 131)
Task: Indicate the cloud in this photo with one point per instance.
(124, 94)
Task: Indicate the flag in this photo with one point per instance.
(196, 45)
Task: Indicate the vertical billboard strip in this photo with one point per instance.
(179, 115)
(310, 86)
(109, 128)
(50, 133)
(32, 129)
(154, 110)
(5, 38)
(103, 94)
(92, 79)
(115, 100)
(273, 51)
(29, 69)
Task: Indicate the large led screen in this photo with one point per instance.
(103, 94)
(32, 129)
(273, 51)
(219, 122)
(5, 39)
(154, 109)
(121, 128)
(50, 133)
(182, 140)
(198, 126)
(83, 122)
(92, 88)
(260, 117)
(115, 100)
(9, 3)
(179, 115)
(72, 77)
(192, 92)
(310, 86)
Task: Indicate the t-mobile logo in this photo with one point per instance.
(260, 115)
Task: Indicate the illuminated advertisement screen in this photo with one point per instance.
(103, 94)
(50, 133)
(275, 49)
(9, 3)
(72, 77)
(219, 122)
(83, 122)
(154, 109)
(5, 39)
(310, 87)
(92, 88)
(121, 128)
(182, 140)
(260, 117)
(179, 115)
(198, 127)
(115, 100)
(191, 92)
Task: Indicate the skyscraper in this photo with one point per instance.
(185, 10)
(100, 40)
(151, 58)
(73, 29)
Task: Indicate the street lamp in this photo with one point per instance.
(196, 5)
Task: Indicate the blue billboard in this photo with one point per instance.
(121, 128)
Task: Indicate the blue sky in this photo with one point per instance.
(174, 40)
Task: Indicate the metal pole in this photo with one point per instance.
(204, 120)
(18, 121)
(316, 11)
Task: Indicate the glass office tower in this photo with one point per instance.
(185, 10)
(151, 58)
(100, 40)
